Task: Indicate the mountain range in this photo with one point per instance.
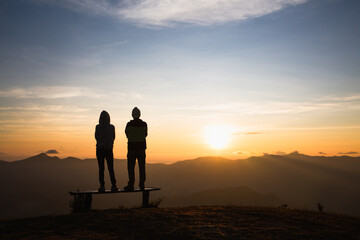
(39, 185)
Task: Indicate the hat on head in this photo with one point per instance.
(136, 112)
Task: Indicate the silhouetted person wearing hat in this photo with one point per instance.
(136, 132)
(105, 136)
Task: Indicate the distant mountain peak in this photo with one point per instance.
(41, 157)
(296, 154)
(71, 159)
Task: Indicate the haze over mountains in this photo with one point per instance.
(39, 185)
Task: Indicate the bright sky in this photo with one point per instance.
(228, 78)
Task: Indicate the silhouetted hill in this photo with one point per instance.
(37, 158)
(240, 196)
(3, 162)
(202, 160)
(187, 223)
(39, 185)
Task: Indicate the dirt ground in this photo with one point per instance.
(218, 222)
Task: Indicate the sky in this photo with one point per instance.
(229, 78)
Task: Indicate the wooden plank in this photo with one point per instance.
(147, 189)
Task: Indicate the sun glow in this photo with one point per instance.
(218, 136)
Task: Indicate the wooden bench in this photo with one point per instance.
(83, 199)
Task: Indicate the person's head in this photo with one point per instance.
(136, 113)
(104, 117)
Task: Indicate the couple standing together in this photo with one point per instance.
(136, 132)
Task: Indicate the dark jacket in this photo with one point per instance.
(136, 132)
(105, 136)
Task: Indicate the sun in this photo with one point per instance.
(218, 136)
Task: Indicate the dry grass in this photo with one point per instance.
(219, 222)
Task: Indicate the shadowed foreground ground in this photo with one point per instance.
(223, 222)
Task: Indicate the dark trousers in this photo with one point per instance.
(131, 158)
(101, 155)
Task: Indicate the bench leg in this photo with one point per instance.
(81, 203)
(87, 202)
(145, 200)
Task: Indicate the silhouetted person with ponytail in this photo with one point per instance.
(136, 132)
(105, 136)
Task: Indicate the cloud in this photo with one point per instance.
(349, 153)
(253, 133)
(198, 12)
(247, 133)
(167, 13)
(262, 108)
(52, 151)
(276, 107)
(110, 45)
(322, 153)
(44, 108)
(354, 97)
(53, 92)
(91, 6)
(59, 92)
(85, 62)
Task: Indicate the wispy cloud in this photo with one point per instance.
(52, 151)
(349, 153)
(170, 13)
(199, 12)
(274, 107)
(46, 108)
(54, 92)
(94, 6)
(85, 62)
(110, 45)
(261, 108)
(354, 97)
(247, 133)
(253, 133)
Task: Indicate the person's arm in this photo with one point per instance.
(126, 130)
(146, 131)
(96, 133)
(113, 132)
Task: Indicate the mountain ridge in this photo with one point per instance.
(292, 155)
(36, 187)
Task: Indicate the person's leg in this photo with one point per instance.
(110, 164)
(141, 159)
(131, 158)
(100, 158)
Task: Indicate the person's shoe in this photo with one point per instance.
(114, 188)
(129, 188)
(142, 187)
(101, 189)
